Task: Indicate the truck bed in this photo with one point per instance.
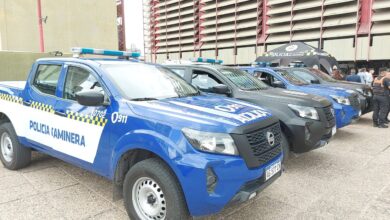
(14, 88)
(15, 84)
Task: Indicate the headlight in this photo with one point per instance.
(341, 100)
(211, 142)
(305, 112)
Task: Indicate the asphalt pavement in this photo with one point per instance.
(347, 179)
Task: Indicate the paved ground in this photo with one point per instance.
(347, 179)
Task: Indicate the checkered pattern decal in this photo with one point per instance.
(86, 118)
(11, 98)
(42, 107)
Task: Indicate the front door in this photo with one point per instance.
(79, 130)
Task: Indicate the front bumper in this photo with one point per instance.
(345, 114)
(232, 174)
(252, 188)
(308, 135)
(366, 104)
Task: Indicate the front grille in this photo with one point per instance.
(354, 100)
(329, 113)
(259, 142)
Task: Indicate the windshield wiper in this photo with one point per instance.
(143, 99)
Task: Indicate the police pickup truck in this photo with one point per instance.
(345, 102)
(307, 121)
(174, 152)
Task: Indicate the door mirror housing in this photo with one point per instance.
(221, 89)
(90, 98)
(278, 84)
(314, 81)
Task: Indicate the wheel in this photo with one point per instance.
(285, 147)
(13, 155)
(152, 192)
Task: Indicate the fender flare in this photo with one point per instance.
(150, 141)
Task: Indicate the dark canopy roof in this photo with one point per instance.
(299, 52)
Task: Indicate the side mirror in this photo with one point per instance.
(278, 84)
(90, 98)
(221, 89)
(314, 81)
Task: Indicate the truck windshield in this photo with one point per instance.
(140, 82)
(243, 80)
(291, 77)
(304, 74)
(323, 75)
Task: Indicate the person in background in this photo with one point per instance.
(388, 110)
(336, 74)
(363, 75)
(381, 88)
(370, 76)
(353, 77)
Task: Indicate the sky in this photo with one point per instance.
(134, 24)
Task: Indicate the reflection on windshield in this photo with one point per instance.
(243, 80)
(303, 74)
(140, 82)
(323, 75)
(291, 77)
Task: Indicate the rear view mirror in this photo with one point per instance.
(314, 81)
(221, 89)
(278, 84)
(90, 98)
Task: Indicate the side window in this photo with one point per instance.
(265, 77)
(80, 80)
(204, 81)
(180, 72)
(46, 78)
(305, 76)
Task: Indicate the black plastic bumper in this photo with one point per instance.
(251, 187)
(318, 136)
(366, 104)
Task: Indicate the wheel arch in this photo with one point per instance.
(4, 118)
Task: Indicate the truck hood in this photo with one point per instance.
(289, 97)
(348, 85)
(205, 112)
(326, 90)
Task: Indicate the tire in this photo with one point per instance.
(12, 154)
(285, 148)
(153, 177)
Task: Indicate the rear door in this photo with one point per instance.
(39, 99)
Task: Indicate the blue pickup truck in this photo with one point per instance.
(171, 151)
(346, 103)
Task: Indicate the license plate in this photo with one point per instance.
(334, 130)
(273, 169)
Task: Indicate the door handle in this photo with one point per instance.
(28, 103)
(60, 113)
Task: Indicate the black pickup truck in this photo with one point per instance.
(307, 121)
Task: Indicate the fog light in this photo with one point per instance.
(253, 195)
(211, 180)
